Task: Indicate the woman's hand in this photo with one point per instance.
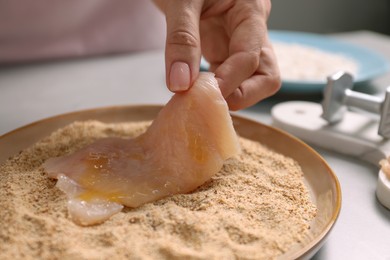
(232, 36)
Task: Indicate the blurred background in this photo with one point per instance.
(331, 16)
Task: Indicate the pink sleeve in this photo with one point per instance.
(47, 29)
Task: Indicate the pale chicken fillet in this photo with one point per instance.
(185, 146)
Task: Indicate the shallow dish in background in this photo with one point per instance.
(319, 178)
(371, 64)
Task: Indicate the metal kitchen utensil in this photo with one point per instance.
(336, 127)
(338, 96)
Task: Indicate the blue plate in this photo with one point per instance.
(370, 63)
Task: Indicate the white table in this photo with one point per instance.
(35, 91)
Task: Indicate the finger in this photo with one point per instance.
(247, 26)
(263, 84)
(243, 60)
(214, 66)
(214, 40)
(252, 91)
(235, 70)
(182, 51)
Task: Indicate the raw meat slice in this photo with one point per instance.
(185, 145)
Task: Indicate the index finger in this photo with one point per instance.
(247, 37)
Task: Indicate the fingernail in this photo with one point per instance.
(179, 78)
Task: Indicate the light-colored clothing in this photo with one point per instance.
(47, 29)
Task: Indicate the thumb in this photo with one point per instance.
(182, 50)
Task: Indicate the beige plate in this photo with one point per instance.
(320, 179)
